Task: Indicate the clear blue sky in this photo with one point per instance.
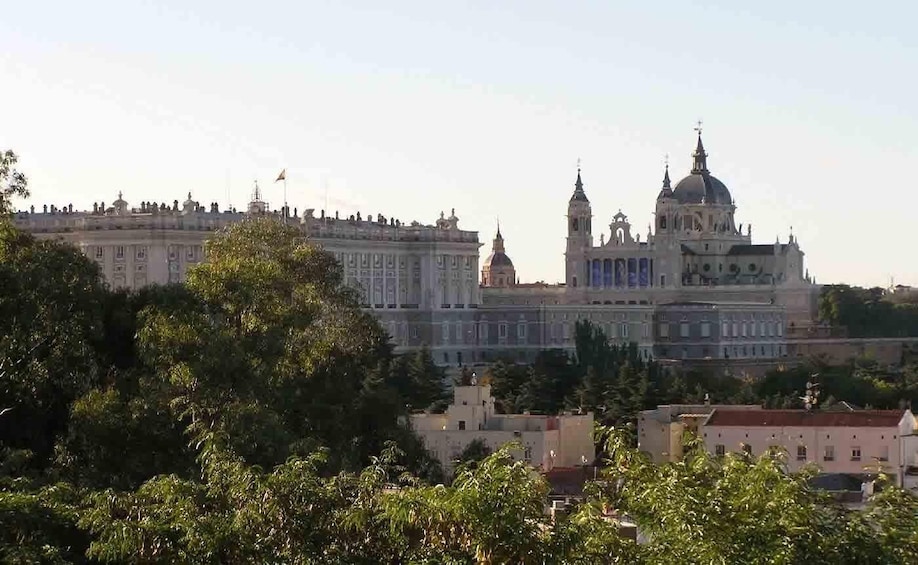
(410, 108)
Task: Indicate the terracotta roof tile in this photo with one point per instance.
(802, 418)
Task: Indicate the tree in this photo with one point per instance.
(51, 304)
(740, 509)
(13, 184)
(274, 351)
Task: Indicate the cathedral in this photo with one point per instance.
(695, 252)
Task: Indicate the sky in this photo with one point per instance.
(410, 108)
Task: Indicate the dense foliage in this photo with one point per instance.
(868, 312)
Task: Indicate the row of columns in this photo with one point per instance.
(634, 272)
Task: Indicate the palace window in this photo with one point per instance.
(119, 252)
(502, 330)
(664, 329)
(829, 454)
(705, 329)
(719, 450)
(801, 453)
(684, 329)
(521, 331)
(99, 252)
(855, 453)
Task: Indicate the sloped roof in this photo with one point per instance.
(759, 249)
(802, 418)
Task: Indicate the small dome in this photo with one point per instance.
(498, 259)
(700, 186)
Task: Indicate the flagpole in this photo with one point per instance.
(285, 196)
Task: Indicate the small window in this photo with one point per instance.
(502, 330)
(684, 329)
(801, 453)
(141, 252)
(99, 252)
(829, 454)
(719, 450)
(461, 424)
(747, 449)
(521, 331)
(119, 252)
(884, 453)
(664, 330)
(855, 453)
(705, 329)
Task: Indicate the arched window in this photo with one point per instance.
(663, 222)
(573, 224)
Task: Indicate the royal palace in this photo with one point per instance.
(695, 287)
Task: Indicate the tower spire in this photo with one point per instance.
(579, 194)
(497, 245)
(699, 157)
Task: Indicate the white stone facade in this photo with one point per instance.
(850, 442)
(547, 442)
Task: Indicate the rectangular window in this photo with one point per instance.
(521, 331)
(565, 331)
(719, 450)
(801, 453)
(502, 330)
(683, 329)
(664, 329)
(747, 449)
(884, 453)
(623, 330)
(527, 454)
(99, 252)
(705, 329)
(461, 424)
(855, 453)
(483, 331)
(141, 253)
(735, 329)
(119, 252)
(744, 328)
(780, 329)
(445, 332)
(829, 454)
(752, 329)
(190, 252)
(725, 329)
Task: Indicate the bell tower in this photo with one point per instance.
(579, 235)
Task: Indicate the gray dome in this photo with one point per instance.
(498, 259)
(701, 185)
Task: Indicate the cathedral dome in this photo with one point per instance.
(498, 259)
(701, 186)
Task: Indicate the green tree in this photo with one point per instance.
(274, 352)
(51, 304)
(13, 184)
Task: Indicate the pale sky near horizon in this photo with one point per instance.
(409, 108)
